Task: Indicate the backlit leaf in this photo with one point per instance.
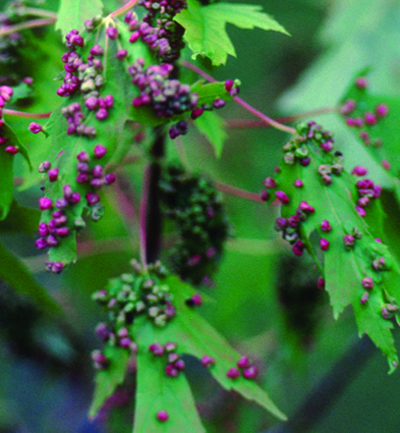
(205, 27)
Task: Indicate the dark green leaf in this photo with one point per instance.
(108, 379)
(196, 337)
(205, 27)
(336, 203)
(20, 219)
(18, 277)
(6, 183)
(22, 91)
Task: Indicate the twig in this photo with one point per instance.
(232, 190)
(40, 13)
(241, 102)
(123, 9)
(143, 217)
(249, 123)
(25, 115)
(7, 30)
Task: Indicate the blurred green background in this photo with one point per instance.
(266, 303)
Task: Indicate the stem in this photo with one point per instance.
(25, 115)
(228, 189)
(7, 30)
(143, 217)
(248, 123)
(241, 102)
(40, 13)
(123, 9)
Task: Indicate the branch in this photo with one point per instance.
(40, 13)
(7, 30)
(241, 102)
(123, 9)
(228, 189)
(25, 115)
(248, 123)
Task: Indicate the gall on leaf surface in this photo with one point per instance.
(107, 380)
(73, 13)
(195, 336)
(114, 132)
(205, 27)
(343, 267)
(373, 119)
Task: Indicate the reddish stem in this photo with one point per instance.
(25, 115)
(232, 190)
(143, 217)
(123, 9)
(241, 102)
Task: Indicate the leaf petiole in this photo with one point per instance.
(123, 9)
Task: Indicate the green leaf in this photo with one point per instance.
(336, 203)
(155, 392)
(383, 141)
(209, 92)
(205, 27)
(212, 127)
(108, 379)
(72, 14)
(20, 219)
(114, 133)
(22, 91)
(196, 337)
(13, 140)
(6, 183)
(19, 277)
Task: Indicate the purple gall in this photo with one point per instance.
(229, 85)
(207, 361)
(367, 283)
(264, 195)
(298, 183)
(324, 244)
(361, 82)
(44, 166)
(382, 110)
(100, 151)
(134, 37)
(102, 332)
(298, 248)
(41, 243)
(305, 161)
(121, 54)
(326, 226)
(99, 357)
(97, 50)
(304, 206)
(233, 373)
(53, 174)
(348, 107)
(243, 362)
(43, 229)
(280, 223)
(282, 197)
(250, 372)
(45, 203)
(112, 32)
(386, 164)
(364, 298)
(102, 114)
(361, 211)
(180, 364)
(348, 240)
(12, 150)
(269, 182)
(370, 118)
(359, 170)
(219, 103)
(35, 128)
(170, 346)
(156, 349)
(197, 112)
(83, 156)
(321, 283)
(171, 371)
(162, 415)
(110, 178)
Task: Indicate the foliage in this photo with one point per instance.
(93, 132)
